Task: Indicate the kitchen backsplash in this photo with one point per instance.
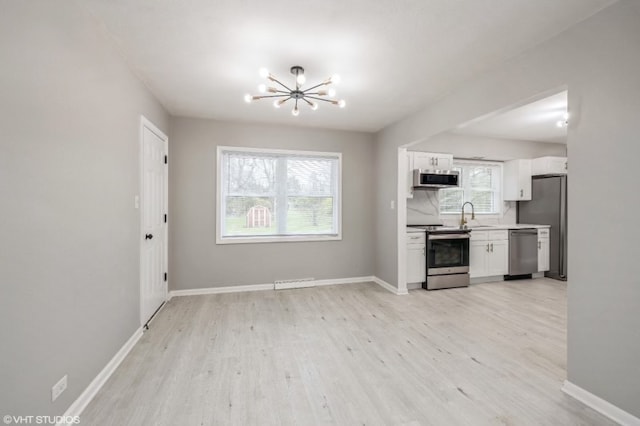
(423, 209)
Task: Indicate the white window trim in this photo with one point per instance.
(500, 213)
(271, 238)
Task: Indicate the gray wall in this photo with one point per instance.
(195, 259)
(599, 62)
(464, 146)
(69, 114)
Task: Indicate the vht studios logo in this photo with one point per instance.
(41, 420)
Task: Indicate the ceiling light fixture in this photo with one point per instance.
(308, 96)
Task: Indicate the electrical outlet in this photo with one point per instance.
(58, 388)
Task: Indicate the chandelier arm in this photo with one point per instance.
(314, 87)
(278, 81)
(333, 101)
(272, 96)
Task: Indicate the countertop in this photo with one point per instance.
(491, 227)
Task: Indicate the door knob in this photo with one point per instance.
(148, 236)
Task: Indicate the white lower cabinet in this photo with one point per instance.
(543, 250)
(489, 253)
(478, 253)
(416, 258)
(498, 257)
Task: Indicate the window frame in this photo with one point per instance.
(460, 163)
(239, 239)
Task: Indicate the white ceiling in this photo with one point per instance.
(199, 57)
(535, 121)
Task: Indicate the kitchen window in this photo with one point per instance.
(267, 195)
(480, 183)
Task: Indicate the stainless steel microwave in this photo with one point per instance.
(435, 179)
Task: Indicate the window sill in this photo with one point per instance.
(276, 239)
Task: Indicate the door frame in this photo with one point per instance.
(146, 123)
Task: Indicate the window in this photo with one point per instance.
(480, 183)
(269, 195)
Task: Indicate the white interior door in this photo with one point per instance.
(153, 212)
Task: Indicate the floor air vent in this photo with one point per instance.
(297, 283)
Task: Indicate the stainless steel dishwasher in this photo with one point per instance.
(523, 251)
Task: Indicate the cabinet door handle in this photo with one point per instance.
(522, 192)
(491, 247)
(423, 251)
(539, 245)
(437, 161)
(487, 247)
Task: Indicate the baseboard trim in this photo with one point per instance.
(220, 290)
(382, 283)
(262, 287)
(78, 406)
(600, 405)
(337, 281)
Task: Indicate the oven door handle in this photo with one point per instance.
(464, 236)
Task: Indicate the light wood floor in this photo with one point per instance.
(490, 354)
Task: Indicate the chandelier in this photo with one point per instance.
(308, 96)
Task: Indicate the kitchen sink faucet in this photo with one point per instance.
(463, 221)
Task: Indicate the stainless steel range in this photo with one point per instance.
(447, 257)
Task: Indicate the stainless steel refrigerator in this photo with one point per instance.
(548, 206)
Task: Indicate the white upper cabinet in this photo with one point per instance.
(432, 161)
(549, 166)
(517, 180)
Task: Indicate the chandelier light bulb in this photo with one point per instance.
(332, 92)
(342, 103)
(301, 79)
(264, 73)
(262, 88)
(248, 98)
(314, 106)
(559, 123)
(295, 111)
(277, 103)
(335, 79)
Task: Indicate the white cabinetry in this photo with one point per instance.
(489, 253)
(517, 180)
(549, 166)
(432, 161)
(543, 249)
(416, 259)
